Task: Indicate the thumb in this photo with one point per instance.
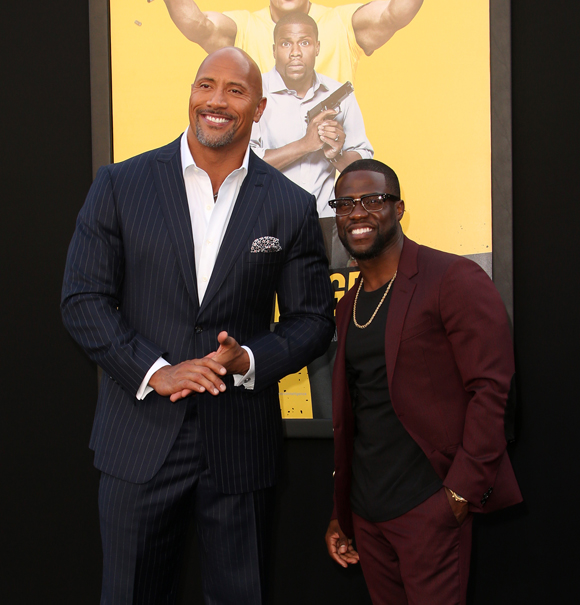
(342, 545)
(224, 339)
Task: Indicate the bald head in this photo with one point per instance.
(238, 60)
(226, 99)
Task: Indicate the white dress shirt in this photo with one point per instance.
(284, 121)
(209, 221)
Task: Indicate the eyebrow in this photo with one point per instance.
(304, 37)
(232, 83)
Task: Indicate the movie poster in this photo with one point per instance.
(420, 102)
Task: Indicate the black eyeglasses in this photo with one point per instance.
(373, 202)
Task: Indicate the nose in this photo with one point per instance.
(358, 210)
(217, 99)
(296, 51)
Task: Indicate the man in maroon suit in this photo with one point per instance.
(421, 379)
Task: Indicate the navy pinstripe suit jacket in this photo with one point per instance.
(130, 296)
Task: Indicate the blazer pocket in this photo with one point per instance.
(264, 257)
(417, 329)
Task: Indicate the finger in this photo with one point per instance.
(331, 136)
(209, 363)
(332, 133)
(327, 113)
(180, 395)
(228, 344)
(202, 379)
(201, 385)
(331, 541)
(350, 559)
(337, 557)
(224, 339)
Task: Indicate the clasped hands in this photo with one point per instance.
(326, 134)
(201, 375)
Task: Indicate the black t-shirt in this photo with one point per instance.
(390, 472)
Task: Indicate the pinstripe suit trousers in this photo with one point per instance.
(143, 528)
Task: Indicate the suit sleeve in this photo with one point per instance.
(476, 324)
(305, 300)
(91, 293)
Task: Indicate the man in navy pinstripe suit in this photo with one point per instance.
(176, 258)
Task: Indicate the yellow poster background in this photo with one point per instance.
(425, 98)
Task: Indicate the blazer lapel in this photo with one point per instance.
(168, 176)
(402, 293)
(342, 413)
(343, 321)
(246, 210)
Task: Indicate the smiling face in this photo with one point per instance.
(367, 235)
(295, 52)
(278, 8)
(226, 98)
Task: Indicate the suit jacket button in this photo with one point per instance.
(198, 329)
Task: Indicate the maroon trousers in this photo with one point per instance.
(419, 558)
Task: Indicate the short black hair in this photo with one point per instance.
(391, 178)
(296, 17)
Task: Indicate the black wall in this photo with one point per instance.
(48, 515)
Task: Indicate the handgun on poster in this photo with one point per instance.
(331, 102)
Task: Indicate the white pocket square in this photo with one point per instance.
(266, 244)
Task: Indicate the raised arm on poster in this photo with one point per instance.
(346, 31)
(210, 29)
(377, 22)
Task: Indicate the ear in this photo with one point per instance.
(400, 209)
(260, 109)
(317, 48)
(274, 50)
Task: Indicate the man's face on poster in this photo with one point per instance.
(295, 52)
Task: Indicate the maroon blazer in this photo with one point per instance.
(449, 359)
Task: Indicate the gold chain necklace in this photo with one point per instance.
(378, 306)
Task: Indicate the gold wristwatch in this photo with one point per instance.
(456, 497)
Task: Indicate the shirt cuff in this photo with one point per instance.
(145, 389)
(249, 378)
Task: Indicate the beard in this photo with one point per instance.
(380, 242)
(214, 141)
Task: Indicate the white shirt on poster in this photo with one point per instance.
(284, 121)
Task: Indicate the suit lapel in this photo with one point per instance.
(344, 319)
(246, 210)
(343, 418)
(402, 293)
(168, 176)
